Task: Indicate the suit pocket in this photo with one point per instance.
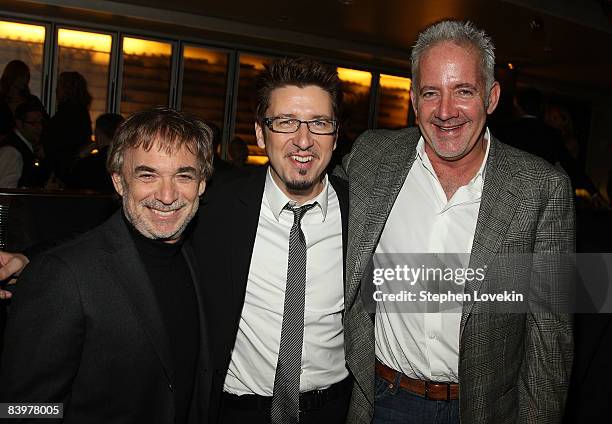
(506, 406)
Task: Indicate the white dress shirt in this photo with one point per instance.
(423, 220)
(255, 355)
(11, 163)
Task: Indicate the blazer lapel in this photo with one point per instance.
(497, 208)
(248, 207)
(188, 254)
(341, 189)
(128, 271)
(390, 176)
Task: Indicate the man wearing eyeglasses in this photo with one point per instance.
(274, 277)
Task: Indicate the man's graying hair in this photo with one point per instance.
(461, 33)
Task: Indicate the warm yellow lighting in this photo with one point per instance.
(36, 163)
(510, 66)
(100, 58)
(256, 62)
(355, 76)
(85, 40)
(140, 47)
(202, 54)
(257, 160)
(395, 83)
(94, 151)
(22, 32)
(583, 193)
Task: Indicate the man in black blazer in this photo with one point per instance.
(242, 236)
(112, 324)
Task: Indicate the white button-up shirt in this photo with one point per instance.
(423, 220)
(255, 355)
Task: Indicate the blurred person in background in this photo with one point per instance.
(21, 155)
(239, 152)
(14, 85)
(90, 171)
(70, 128)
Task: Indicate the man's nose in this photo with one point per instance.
(446, 107)
(167, 192)
(303, 137)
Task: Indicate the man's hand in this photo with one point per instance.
(11, 265)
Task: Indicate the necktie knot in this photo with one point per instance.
(299, 211)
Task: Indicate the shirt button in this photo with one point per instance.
(432, 336)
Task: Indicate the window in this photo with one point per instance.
(204, 83)
(393, 102)
(250, 68)
(89, 54)
(24, 42)
(147, 68)
(356, 103)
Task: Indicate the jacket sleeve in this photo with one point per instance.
(545, 370)
(44, 335)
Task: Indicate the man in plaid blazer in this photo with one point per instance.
(448, 186)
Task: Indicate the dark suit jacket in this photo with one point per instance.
(84, 329)
(224, 239)
(512, 367)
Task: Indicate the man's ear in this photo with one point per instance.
(336, 137)
(493, 97)
(259, 133)
(201, 187)
(413, 102)
(117, 183)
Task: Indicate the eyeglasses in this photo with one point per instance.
(291, 125)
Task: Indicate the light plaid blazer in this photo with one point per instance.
(512, 367)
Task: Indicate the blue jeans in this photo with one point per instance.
(395, 406)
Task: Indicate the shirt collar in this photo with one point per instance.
(25, 140)
(278, 200)
(478, 179)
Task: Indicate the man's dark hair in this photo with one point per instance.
(108, 123)
(300, 72)
(167, 129)
(23, 109)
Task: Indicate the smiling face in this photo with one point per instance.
(160, 191)
(450, 103)
(298, 160)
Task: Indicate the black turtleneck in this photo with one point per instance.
(173, 287)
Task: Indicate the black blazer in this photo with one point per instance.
(85, 329)
(224, 239)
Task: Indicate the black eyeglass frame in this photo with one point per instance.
(268, 122)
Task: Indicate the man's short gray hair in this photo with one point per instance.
(460, 33)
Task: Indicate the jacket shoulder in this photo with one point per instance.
(380, 139)
(531, 167)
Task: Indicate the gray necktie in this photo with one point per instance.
(286, 399)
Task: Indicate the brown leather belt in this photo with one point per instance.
(426, 389)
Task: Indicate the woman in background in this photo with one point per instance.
(14, 85)
(70, 128)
